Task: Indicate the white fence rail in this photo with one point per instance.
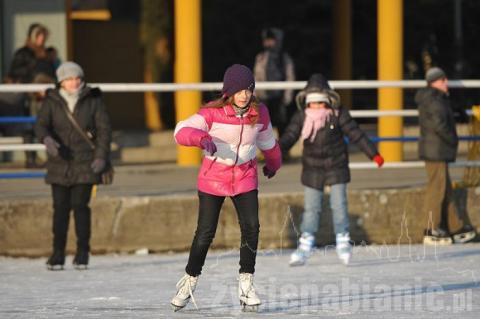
(22, 147)
(412, 164)
(217, 86)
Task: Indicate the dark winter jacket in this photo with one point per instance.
(25, 66)
(325, 160)
(72, 165)
(438, 135)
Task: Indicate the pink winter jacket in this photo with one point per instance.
(232, 169)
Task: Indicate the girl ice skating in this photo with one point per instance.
(322, 123)
(229, 130)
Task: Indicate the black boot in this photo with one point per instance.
(80, 261)
(56, 260)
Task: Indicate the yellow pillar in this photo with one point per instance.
(187, 69)
(342, 46)
(390, 60)
(152, 112)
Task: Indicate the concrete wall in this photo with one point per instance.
(168, 223)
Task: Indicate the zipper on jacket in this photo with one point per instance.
(236, 155)
(210, 166)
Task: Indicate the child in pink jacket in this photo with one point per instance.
(229, 130)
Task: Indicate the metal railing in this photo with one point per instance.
(216, 86)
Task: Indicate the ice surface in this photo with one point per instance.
(381, 282)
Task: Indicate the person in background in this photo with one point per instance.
(322, 124)
(31, 59)
(14, 104)
(73, 165)
(437, 147)
(52, 57)
(274, 64)
(29, 64)
(36, 98)
(229, 130)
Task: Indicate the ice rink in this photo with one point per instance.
(381, 282)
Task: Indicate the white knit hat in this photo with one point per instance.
(69, 70)
(317, 97)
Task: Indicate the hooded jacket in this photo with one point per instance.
(261, 68)
(438, 135)
(325, 160)
(72, 165)
(232, 170)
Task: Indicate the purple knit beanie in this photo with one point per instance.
(236, 78)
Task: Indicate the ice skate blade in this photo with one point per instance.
(55, 267)
(464, 238)
(176, 308)
(429, 240)
(297, 263)
(345, 260)
(80, 267)
(249, 308)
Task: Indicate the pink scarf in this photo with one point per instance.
(315, 119)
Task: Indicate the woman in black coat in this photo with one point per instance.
(74, 163)
(323, 124)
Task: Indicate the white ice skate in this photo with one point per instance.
(464, 235)
(344, 248)
(305, 247)
(437, 236)
(185, 288)
(246, 293)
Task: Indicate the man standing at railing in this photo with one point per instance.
(438, 146)
(274, 64)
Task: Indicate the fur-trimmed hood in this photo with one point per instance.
(316, 84)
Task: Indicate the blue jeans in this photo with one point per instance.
(313, 208)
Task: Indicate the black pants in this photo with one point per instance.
(65, 199)
(246, 206)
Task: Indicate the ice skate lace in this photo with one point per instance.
(249, 279)
(184, 286)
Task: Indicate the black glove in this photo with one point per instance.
(51, 145)
(268, 172)
(98, 165)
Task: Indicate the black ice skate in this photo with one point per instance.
(80, 262)
(437, 236)
(464, 235)
(56, 260)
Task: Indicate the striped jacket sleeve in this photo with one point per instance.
(192, 130)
